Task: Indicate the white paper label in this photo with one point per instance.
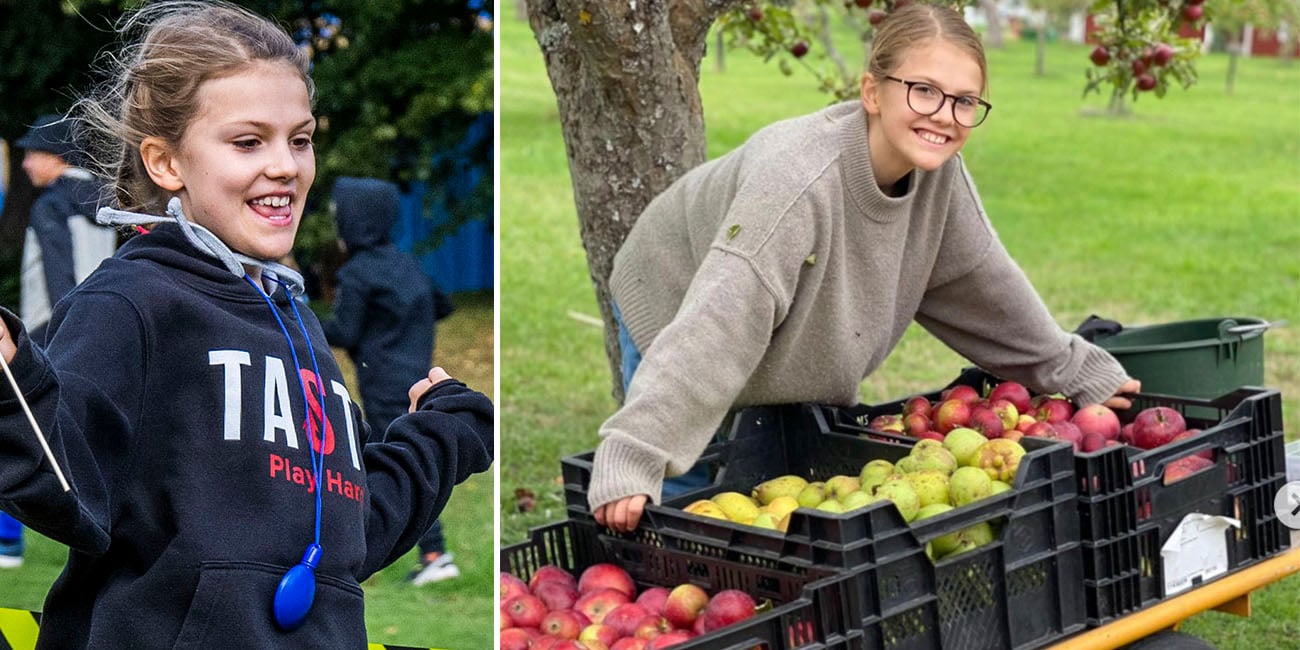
(1197, 549)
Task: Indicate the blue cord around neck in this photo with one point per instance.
(317, 459)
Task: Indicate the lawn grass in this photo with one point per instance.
(1188, 208)
(457, 614)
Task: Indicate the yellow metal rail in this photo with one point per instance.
(1230, 593)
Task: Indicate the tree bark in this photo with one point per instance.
(626, 80)
(993, 37)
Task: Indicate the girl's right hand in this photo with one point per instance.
(622, 515)
(8, 347)
(418, 389)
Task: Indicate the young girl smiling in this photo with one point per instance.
(786, 270)
(220, 495)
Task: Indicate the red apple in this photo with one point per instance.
(629, 643)
(875, 17)
(1126, 434)
(1184, 467)
(669, 639)
(1092, 442)
(886, 422)
(1054, 409)
(1192, 12)
(1146, 82)
(1156, 426)
(1024, 422)
(960, 392)
(950, 414)
(1041, 429)
(933, 435)
(862, 4)
(557, 594)
(606, 576)
(526, 611)
(726, 607)
(698, 628)
(1207, 454)
(684, 605)
(1100, 55)
(917, 404)
(1013, 435)
(1009, 412)
(755, 13)
(543, 642)
(1096, 418)
(984, 420)
(799, 49)
(1162, 55)
(1069, 432)
(651, 626)
(550, 572)
(602, 632)
(511, 586)
(1013, 392)
(596, 604)
(565, 624)
(653, 599)
(574, 644)
(914, 424)
(517, 638)
(625, 617)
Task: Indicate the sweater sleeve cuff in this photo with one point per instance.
(625, 467)
(1099, 376)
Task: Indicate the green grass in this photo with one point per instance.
(1189, 208)
(457, 614)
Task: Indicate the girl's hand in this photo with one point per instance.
(1120, 401)
(622, 515)
(8, 347)
(436, 376)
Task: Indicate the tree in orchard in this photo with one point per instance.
(1231, 19)
(1139, 49)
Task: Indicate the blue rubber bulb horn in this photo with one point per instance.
(297, 591)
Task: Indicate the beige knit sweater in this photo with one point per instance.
(780, 273)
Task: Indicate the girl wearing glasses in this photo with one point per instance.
(786, 270)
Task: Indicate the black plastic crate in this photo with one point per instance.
(810, 610)
(1126, 512)
(907, 600)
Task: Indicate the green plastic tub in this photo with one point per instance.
(1197, 358)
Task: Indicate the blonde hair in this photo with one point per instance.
(153, 84)
(916, 24)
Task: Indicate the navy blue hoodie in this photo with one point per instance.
(384, 304)
(168, 393)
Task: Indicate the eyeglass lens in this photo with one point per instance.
(928, 100)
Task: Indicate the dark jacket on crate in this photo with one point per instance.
(175, 398)
(385, 306)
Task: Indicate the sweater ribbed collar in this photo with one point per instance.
(860, 178)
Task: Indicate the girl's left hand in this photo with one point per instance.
(436, 376)
(1120, 400)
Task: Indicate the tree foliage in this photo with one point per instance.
(396, 80)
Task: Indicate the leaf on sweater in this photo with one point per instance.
(733, 231)
(811, 260)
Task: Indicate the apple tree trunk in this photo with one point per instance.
(626, 80)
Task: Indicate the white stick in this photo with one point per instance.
(35, 427)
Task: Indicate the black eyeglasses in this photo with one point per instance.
(924, 99)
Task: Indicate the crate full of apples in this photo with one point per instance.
(1139, 472)
(573, 586)
(922, 532)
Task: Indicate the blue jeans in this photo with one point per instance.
(11, 535)
(630, 356)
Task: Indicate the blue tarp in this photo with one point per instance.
(463, 261)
